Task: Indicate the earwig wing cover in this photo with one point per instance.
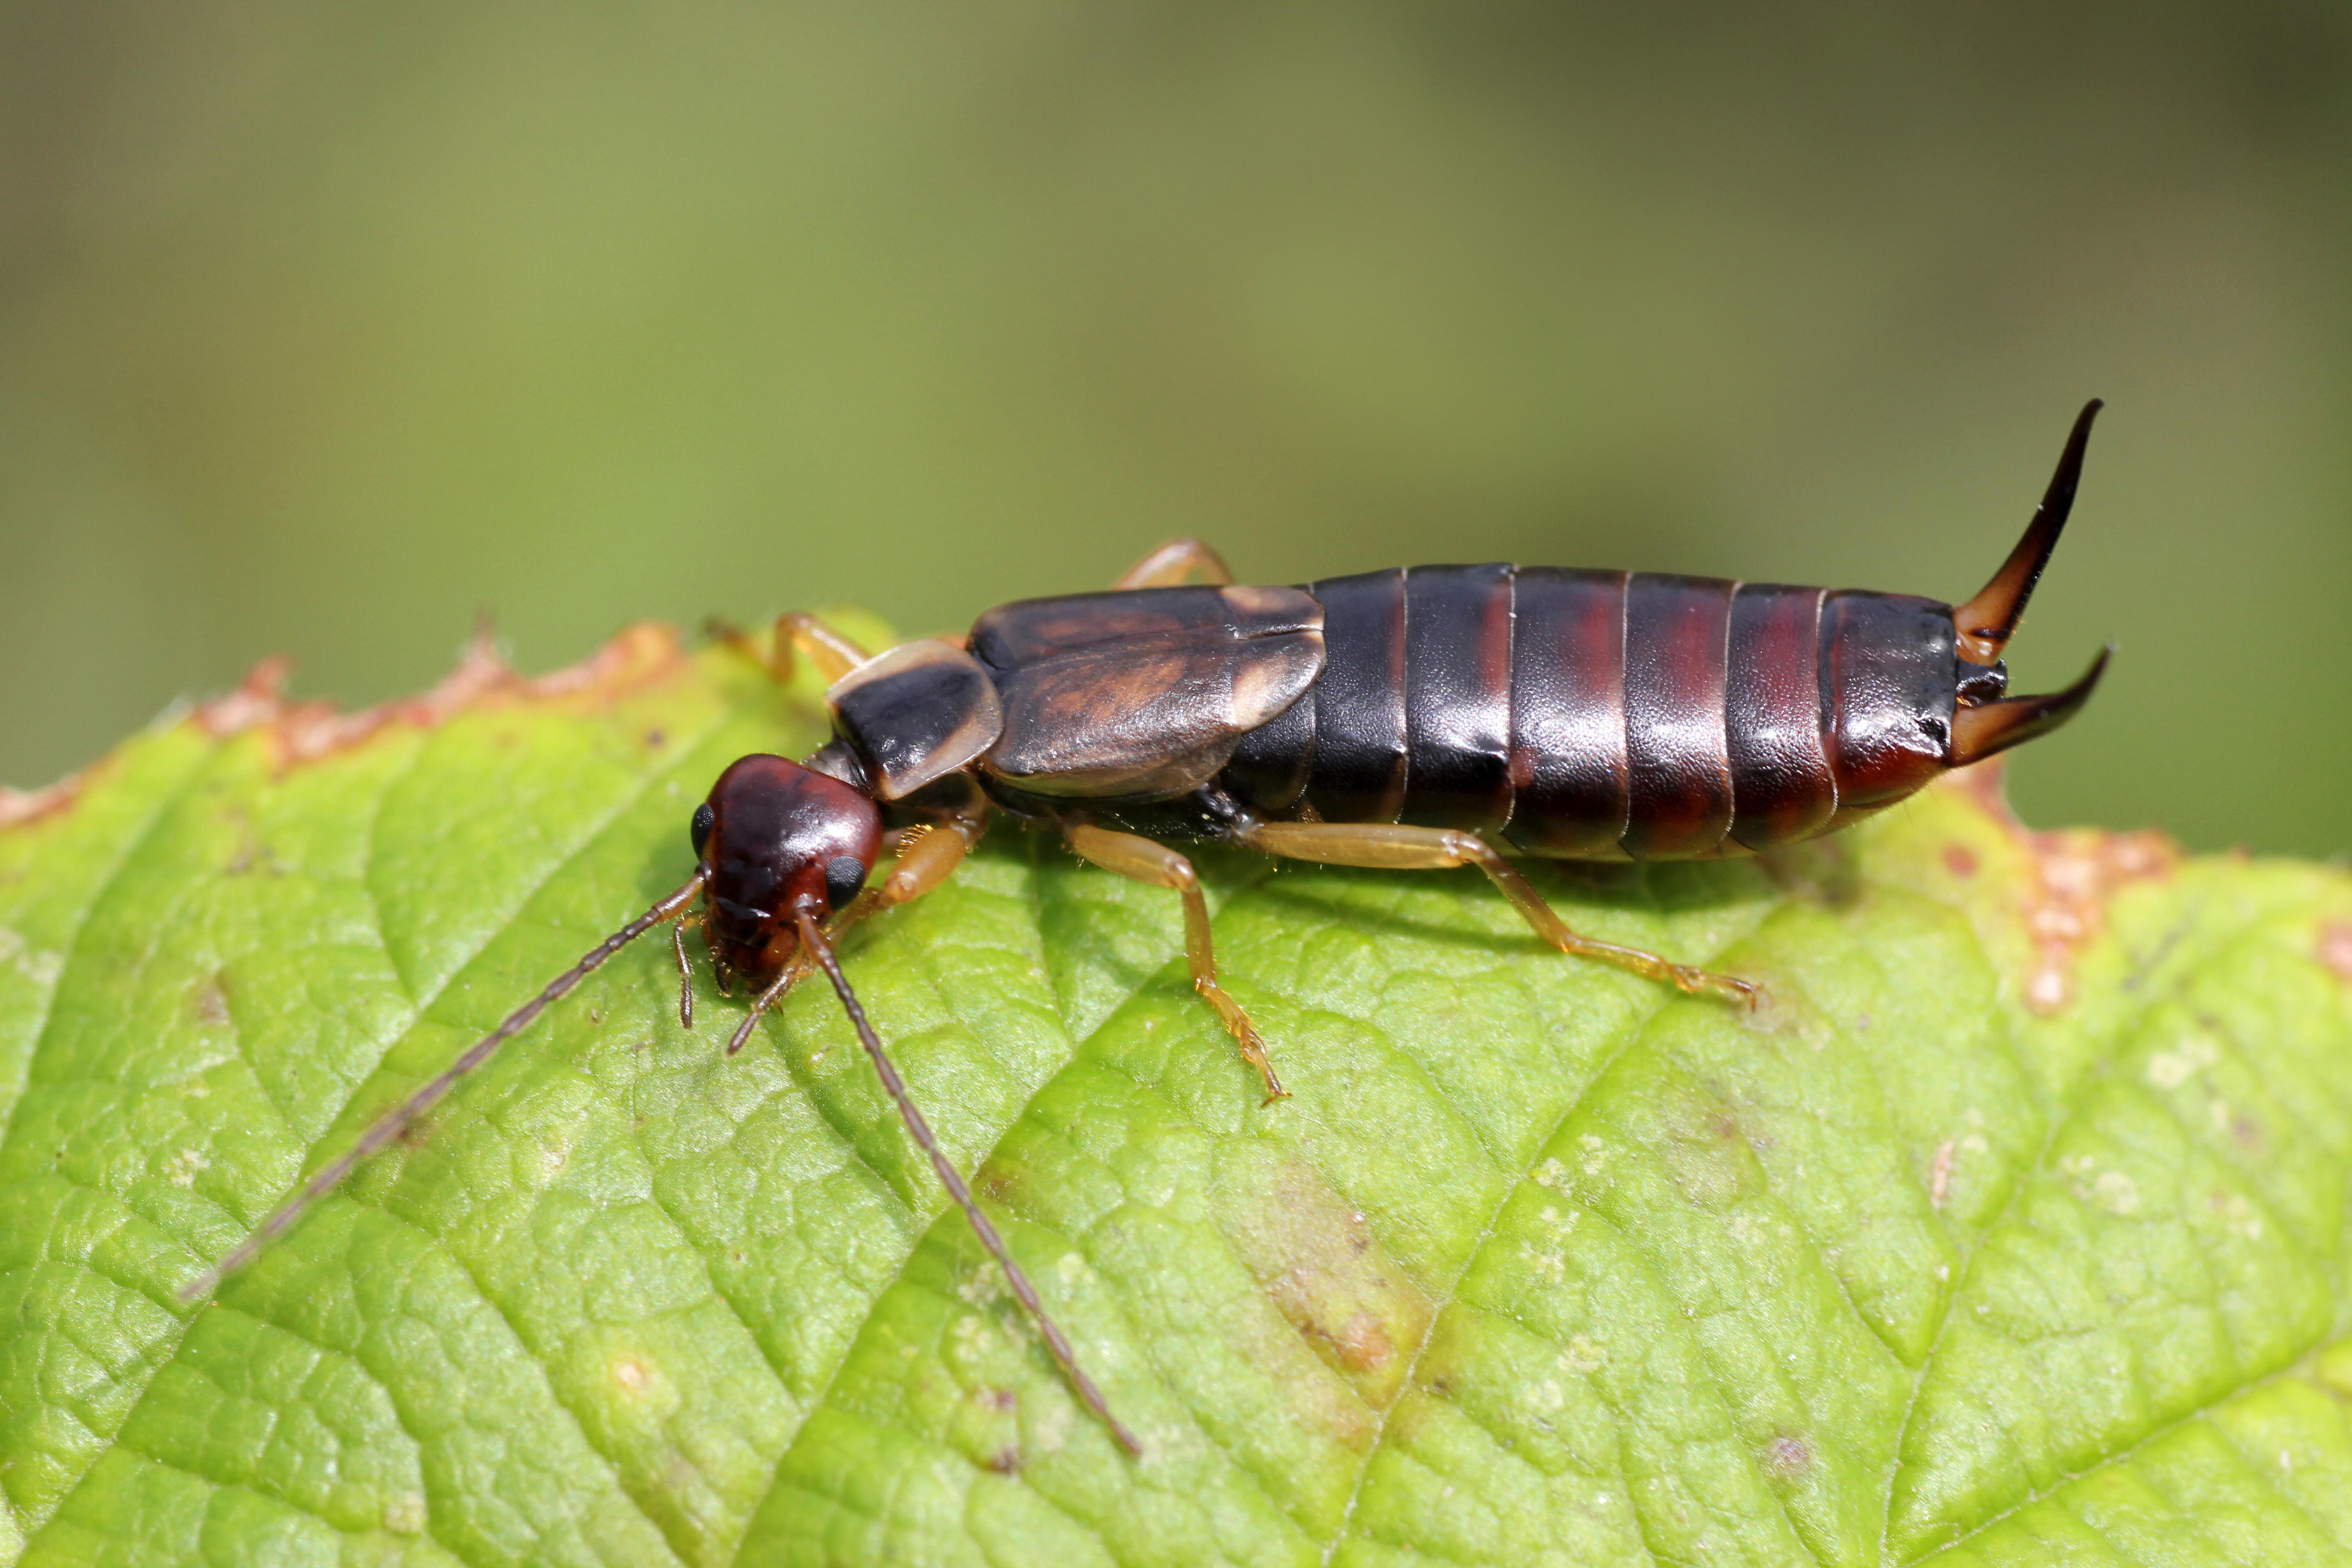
(919, 712)
(1143, 693)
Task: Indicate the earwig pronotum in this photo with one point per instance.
(1413, 720)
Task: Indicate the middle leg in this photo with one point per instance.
(1145, 861)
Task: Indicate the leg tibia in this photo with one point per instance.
(1391, 847)
(1397, 847)
(1142, 860)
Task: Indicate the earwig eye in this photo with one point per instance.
(700, 831)
(844, 875)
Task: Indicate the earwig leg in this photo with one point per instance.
(685, 978)
(734, 637)
(926, 860)
(1172, 562)
(1162, 867)
(814, 942)
(1403, 849)
(796, 631)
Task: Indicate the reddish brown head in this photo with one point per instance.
(778, 838)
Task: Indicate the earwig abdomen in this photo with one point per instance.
(1603, 715)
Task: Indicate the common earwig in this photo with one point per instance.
(1414, 719)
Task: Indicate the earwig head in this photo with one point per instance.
(778, 838)
(1985, 720)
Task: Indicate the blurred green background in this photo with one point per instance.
(324, 325)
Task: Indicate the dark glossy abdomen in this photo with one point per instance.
(1607, 715)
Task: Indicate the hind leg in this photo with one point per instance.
(1402, 848)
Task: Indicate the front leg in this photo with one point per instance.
(1162, 867)
(797, 635)
(1396, 846)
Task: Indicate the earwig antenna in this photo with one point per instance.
(388, 1126)
(1986, 622)
(814, 941)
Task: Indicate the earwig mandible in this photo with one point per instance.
(1412, 720)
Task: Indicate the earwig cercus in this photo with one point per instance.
(1417, 719)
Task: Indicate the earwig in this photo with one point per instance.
(1419, 718)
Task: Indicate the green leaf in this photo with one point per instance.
(2012, 1230)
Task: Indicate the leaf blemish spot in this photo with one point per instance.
(2115, 1193)
(1939, 1179)
(2078, 872)
(210, 1006)
(39, 967)
(2193, 1055)
(1787, 1458)
(2336, 948)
